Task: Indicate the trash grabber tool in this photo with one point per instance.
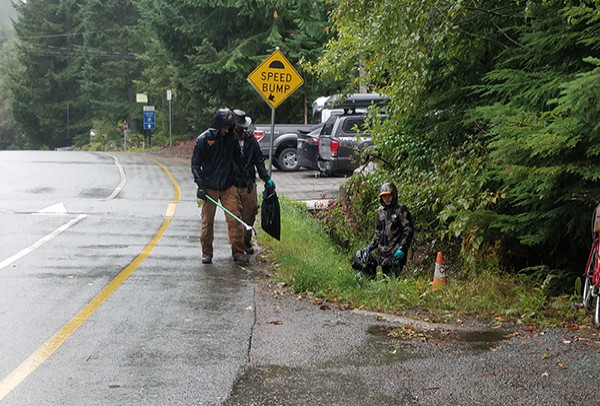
(246, 226)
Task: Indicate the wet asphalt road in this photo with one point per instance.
(175, 332)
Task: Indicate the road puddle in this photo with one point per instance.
(481, 340)
(476, 340)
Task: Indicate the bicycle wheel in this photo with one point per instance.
(586, 293)
(597, 313)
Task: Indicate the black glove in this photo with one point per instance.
(201, 194)
(249, 186)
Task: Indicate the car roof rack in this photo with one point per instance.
(355, 101)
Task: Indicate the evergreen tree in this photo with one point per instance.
(45, 92)
(213, 48)
(108, 59)
(543, 117)
(9, 68)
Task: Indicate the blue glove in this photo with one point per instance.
(270, 185)
(399, 254)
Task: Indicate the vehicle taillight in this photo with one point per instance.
(335, 147)
(258, 135)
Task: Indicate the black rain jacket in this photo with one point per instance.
(253, 158)
(215, 159)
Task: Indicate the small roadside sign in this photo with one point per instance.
(275, 79)
(149, 122)
(125, 126)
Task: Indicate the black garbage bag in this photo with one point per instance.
(365, 263)
(270, 216)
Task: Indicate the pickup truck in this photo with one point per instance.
(285, 153)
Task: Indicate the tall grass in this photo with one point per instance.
(310, 263)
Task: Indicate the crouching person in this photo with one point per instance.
(393, 231)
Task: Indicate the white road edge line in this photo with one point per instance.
(123, 179)
(41, 241)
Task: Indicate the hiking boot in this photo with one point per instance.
(241, 260)
(207, 260)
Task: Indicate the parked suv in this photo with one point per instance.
(341, 144)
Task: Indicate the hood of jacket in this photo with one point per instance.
(223, 118)
(388, 188)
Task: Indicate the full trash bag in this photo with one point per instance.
(365, 263)
(270, 216)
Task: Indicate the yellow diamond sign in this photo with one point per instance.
(275, 79)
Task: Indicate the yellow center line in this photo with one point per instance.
(36, 359)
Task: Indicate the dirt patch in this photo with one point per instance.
(180, 151)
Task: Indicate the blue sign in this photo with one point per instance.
(149, 123)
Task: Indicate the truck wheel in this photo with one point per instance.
(288, 160)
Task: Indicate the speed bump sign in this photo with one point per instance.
(275, 79)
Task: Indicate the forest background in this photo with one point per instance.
(492, 134)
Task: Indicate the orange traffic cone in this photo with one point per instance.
(439, 275)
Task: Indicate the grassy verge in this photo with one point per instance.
(310, 264)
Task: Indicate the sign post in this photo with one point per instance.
(149, 123)
(169, 97)
(125, 129)
(275, 80)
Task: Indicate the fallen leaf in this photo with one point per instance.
(276, 322)
(545, 355)
(546, 374)
(566, 341)
(561, 366)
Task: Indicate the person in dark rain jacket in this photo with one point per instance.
(254, 160)
(393, 231)
(214, 160)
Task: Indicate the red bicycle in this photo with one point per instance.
(591, 275)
